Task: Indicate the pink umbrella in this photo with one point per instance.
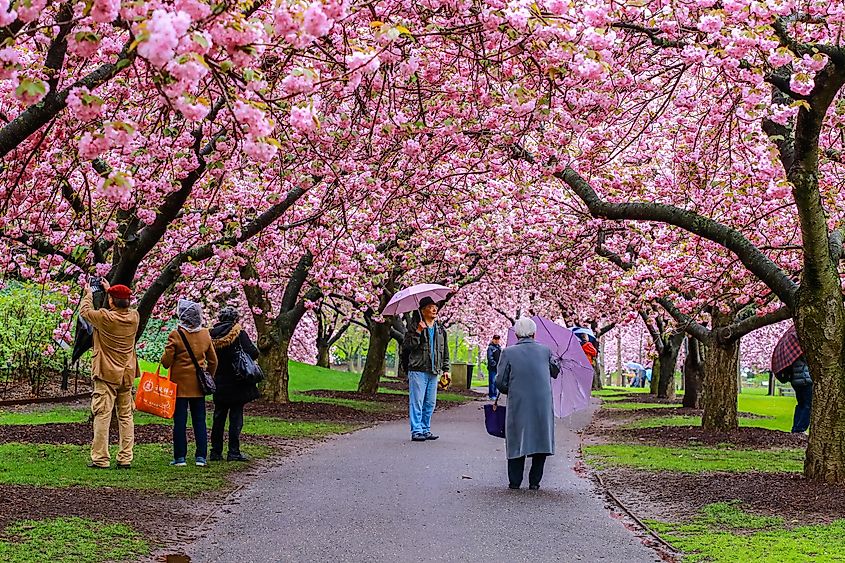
(571, 390)
(409, 298)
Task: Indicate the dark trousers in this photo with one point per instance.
(804, 396)
(516, 467)
(492, 392)
(180, 423)
(235, 413)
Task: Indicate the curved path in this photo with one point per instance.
(376, 496)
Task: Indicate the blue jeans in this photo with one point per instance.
(492, 392)
(180, 423)
(804, 396)
(422, 398)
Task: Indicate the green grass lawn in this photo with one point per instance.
(778, 410)
(149, 366)
(45, 416)
(256, 425)
(70, 540)
(723, 533)
(693, 459)
(44, 465)
(614, 391)
(305, 377)
(636, 406)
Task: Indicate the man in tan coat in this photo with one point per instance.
(114, 368)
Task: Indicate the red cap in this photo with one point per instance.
(120, 292)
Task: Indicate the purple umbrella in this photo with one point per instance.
(409, 298)
(571, 390)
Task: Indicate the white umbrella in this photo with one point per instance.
(409, 298)
(583, 330)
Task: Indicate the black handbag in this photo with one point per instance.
(245, 367)
(207, 384)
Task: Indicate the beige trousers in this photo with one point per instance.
(105, 396)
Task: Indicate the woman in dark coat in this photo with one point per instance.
(232, 393)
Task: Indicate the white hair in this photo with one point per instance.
(524, 327)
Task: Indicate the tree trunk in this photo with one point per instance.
(619, 356)
(376, 352)
(274, 362)
(668, 357)
(598, 367)
(693, 374)
(819, 323)
(655, 376)
(323, 356)
(720, 392)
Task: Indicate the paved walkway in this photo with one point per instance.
(376, 496)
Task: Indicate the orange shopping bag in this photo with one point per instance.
(156, 394)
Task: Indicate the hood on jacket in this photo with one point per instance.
(224, 334)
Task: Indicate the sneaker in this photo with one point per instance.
(533, 487)
(512, 486)
(215, 457)
(124, 466)
(418, 438)
(201, 462)
(180, 462)
(93, 465)
(237, 457)
(430, 436)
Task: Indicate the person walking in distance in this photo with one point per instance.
(428, 358)
(114, 368)
(494, 350)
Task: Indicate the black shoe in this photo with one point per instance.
(512, 486)
(123, 466)
(533, 487)
(418, 438)
(430, 436)
(93, 465)
(237, 457)
(215, 457)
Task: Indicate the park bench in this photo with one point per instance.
(786, 392)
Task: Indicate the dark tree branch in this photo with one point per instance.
(36, 116)
(753, 259)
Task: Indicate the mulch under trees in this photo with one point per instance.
(685, 436)
(163, 519)
(676, 496)
(671, 496)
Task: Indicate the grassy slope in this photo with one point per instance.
(693, 459)
(64, 465)
(70, 540)
(723, 533)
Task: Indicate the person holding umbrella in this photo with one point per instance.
(428, 358)
(524, 375)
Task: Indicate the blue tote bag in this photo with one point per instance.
(494, 419)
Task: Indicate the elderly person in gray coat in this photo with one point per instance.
(523, 374)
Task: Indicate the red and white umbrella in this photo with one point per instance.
(409, 298)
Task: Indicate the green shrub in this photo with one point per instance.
(152, 341)
(32, 327)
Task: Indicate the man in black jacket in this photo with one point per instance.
(428, 358)
(494, 350)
